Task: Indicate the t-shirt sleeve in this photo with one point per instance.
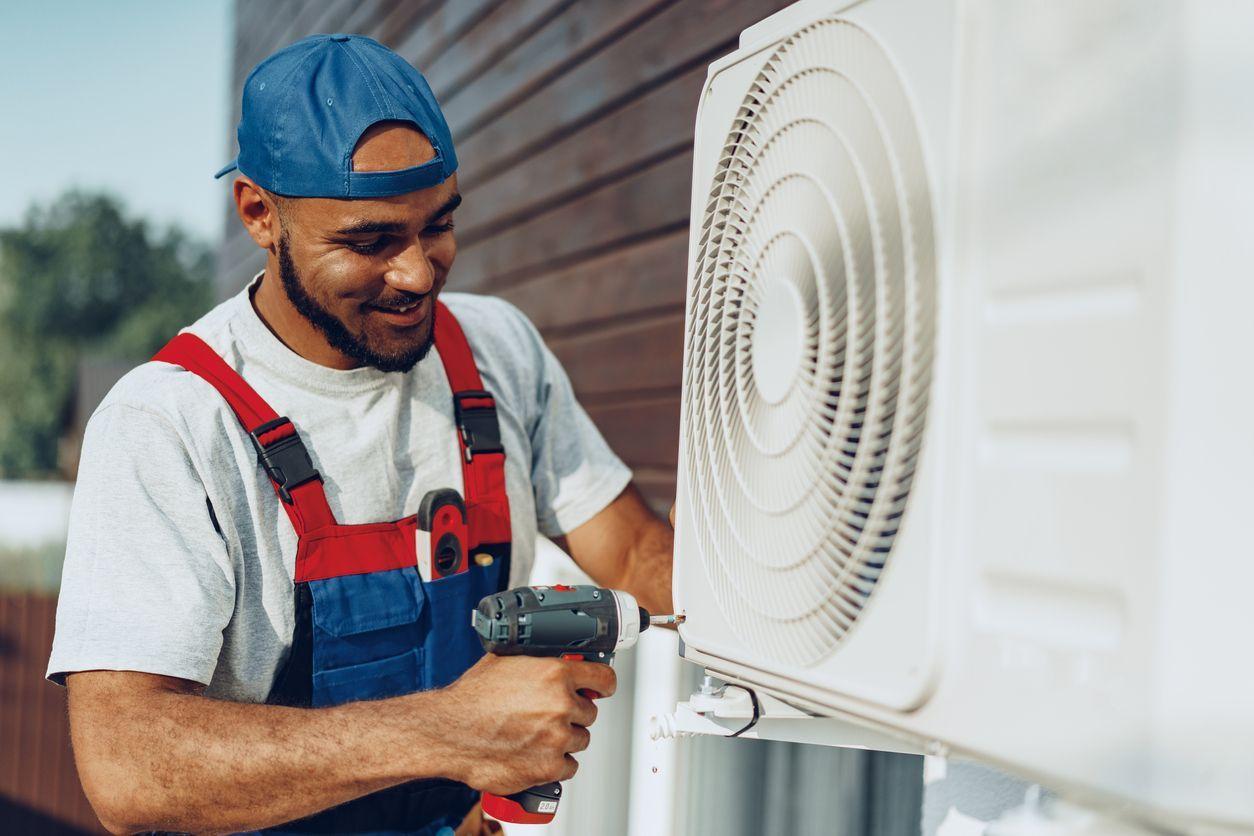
(147, 584)
(574, 473)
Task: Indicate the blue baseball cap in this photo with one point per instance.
(307, 105)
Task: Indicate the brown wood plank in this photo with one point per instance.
(438, 31)
(10, 677)
(332, 18)
(22, 695)
(252, 23)
(682, 37)
(566, 42)
(647, 278)
(42, 735)
(249, 18)
(642, 433)
(367, 15)
(36, 769)
(401, 18)
(272, 31)
(508, 27)
(642, 356)
(300, 24)
(649, 202)
(647, 130)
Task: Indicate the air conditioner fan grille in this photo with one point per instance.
(809, 344)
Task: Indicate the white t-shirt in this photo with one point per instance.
(151, 585)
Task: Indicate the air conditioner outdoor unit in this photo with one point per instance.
(967, 447)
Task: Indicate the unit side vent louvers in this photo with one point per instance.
(809, 345)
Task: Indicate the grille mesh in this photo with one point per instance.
(809, 344)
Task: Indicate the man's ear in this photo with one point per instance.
(257, 212)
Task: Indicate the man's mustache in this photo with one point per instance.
(398, 301)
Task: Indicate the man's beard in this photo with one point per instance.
(335, 332)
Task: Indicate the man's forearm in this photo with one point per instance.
(649, 564)
(626, 546)
(179, 761)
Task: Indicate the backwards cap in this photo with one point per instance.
(307, 105)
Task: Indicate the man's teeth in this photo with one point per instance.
(404, 309)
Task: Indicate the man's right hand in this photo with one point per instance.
(518, 718)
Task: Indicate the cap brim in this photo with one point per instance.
(228, 168)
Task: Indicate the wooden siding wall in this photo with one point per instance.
(39, 789)
(573, 121)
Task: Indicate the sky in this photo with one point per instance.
(129, 96)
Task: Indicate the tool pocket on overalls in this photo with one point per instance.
(368, 636)
(452, 645)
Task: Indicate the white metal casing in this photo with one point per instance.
(1069, 594)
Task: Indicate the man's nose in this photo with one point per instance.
(411, 270)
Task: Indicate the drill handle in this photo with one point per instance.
(537, 805)
(588, 657)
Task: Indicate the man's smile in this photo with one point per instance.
(403, 316)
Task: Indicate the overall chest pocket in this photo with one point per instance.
(369, 632)
(452, 645)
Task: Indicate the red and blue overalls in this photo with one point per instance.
(367, 625)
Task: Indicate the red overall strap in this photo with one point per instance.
(478, 436)
(278, 446)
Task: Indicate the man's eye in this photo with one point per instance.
(369, 247)
(439, 229)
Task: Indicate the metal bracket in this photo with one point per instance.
(720, 710)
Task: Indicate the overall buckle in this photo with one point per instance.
(285, 460)
(478, 425)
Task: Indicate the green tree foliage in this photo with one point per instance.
(80, 279)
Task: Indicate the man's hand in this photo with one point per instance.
(524, 717)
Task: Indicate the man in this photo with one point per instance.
(243, 634)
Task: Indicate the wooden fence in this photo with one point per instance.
(39, 789)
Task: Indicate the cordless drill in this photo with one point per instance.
(573, 622)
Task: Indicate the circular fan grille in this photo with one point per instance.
(809, 343)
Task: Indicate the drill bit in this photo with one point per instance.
(667, 619)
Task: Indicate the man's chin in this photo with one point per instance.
(393, 355)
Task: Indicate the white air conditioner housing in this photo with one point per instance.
(967, 439)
